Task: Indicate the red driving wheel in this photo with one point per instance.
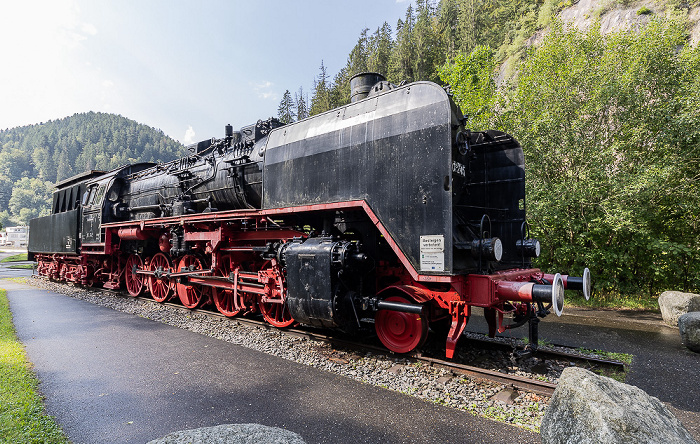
(276, 314)
(134, 281)
(400, 332)
(224, 299)
(191, 296)
(159, 286)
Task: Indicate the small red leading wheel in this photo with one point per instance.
(400, 332)
(191, 296)
(159, 286)
(134, 281)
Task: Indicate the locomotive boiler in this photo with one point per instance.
(386, 214)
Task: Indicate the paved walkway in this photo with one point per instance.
(7, 272)
(113, 377)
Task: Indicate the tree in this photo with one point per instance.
(285, 112)
(447, 25)
(401, 62)
(379, 51)
(6, 219)
(426, 41)
(471, 79)
(356, 63)
(321, 99)
(610, 130)
(301, 102)
(30, 198)
(62, 148)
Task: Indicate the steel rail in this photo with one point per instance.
(546, 353)
(519, 382)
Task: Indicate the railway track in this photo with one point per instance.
(337, 341)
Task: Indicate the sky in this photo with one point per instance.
(187, 68)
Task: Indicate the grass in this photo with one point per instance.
(22, 266)
(625, 358)
(22, 415)
(612, 300)
(15, 258)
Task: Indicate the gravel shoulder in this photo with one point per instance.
(395, 373)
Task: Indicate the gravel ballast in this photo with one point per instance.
(391, 372)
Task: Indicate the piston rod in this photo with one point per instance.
(400, 306)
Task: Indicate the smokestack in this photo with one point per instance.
(361, 84)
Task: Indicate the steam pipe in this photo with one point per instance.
(132, 234)
(399, 306)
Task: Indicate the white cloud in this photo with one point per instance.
(264, 90)
(189, 136)
(49, 77)
(88, 28)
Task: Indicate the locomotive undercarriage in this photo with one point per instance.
(248, 263)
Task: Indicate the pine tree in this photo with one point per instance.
(426, 42)
(466, 26)
(380, 48)
(301, 102)
(401, 63)
(321, 100)
(447, 26)
(285, 112)
(357, 63)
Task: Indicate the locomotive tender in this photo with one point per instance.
(384, 214)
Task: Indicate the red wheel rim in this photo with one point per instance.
(276, 314)
(190, 295)
(400, 332)
(90, 276)
(134, 281)
(159, 286)
(223, 299)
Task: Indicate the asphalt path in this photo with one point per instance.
(7, 272)
(661, 365)
(113, 377)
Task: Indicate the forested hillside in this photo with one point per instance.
(608, 115)
(34, 157)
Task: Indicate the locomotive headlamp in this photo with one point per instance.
(529, 247)
(489, 249)
(462, 140)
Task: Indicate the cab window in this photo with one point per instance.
(97, 199)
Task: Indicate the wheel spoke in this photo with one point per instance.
(190, 295)
(134, 281)
(223, 299)
(159, 286)
(276, 314)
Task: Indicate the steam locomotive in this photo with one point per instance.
(386, 214)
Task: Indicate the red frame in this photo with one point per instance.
(208, 232)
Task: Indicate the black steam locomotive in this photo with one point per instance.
(384, 214)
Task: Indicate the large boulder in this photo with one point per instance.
(587, 408)
(689, 328)
(674, 304)
(232, 434)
